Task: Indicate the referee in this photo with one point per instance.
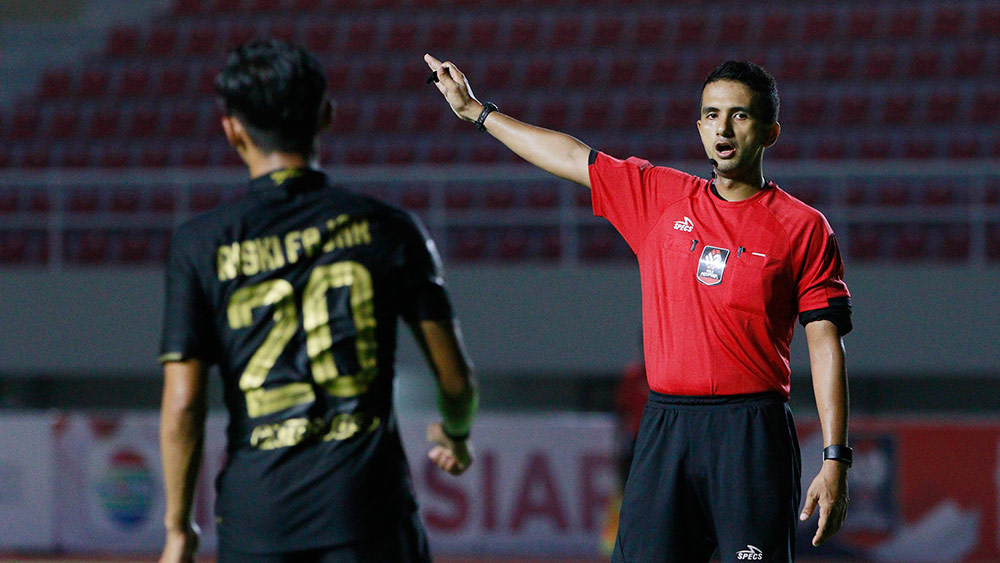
(294, 292)
(727, 266)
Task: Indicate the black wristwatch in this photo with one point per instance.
(843, 454)
(488, 108)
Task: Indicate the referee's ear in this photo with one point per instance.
(326, 113)
(236, 133)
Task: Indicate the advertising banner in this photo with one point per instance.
(27, 479)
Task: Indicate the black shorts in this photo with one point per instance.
(404, 541)
(712, 473)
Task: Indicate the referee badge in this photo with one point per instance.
(712, 264)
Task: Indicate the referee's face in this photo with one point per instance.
(731, 131)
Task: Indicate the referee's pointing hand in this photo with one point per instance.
(453, 84)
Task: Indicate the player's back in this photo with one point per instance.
(301, 285)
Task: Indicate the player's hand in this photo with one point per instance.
(453, 456)
(452, 83)
(181, 545)
(828, 491)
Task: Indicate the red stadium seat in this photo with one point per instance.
(483, 35)
(182, 123)
(24, 125)
(874, 149)
(539, 74)
(204, 200)
(880, 64)
(239, 34)
(201, 41)
(65, 123)
(911, 243)
(227, 6)
(853, 110)
(938, 196)
(942, 107)
(400, 154)
(416, 198)
(608, 32)
(893, 195)
(925, 64)
(196, 157)
(898, 109)
(114, 158)
(9, 199)
(134, 248)
(388, 116)
(553, 115)
(75, 158)
(187, 7)
(360, 37)
(598, 245)
(829, 149)
(904, 24)
(582, 72)
(794, 67)
(498, 75)
(963, 148)
(320, 37)
(154, 157)
(55, 84)
(733, 27)
(650, 32)
(144, 123)
(306, 5)
(919, 149)
(543, 198)
(89, 248)
(428, 116)
(266, 6)
(39, 203)
(523, 34)
(93, 83)
(345, 120)
(513, 245)
(622, 73)
(133, 83)
(678, 112)
(595, 114)
(124, 200)
(785, 149)
(402, 36)
(162, 201)
(565, 33)
(862, 24)
(283, 31)
(123, 41)
(818, 26)
(441, 36)
(551, 246)
(638, 114)
(373, 77)
(865, 243)
(13, 247)
(360, 156)
(836, 65)
(499, 198)
(984, 107)
(664, 71)
(690, 30)
(947, 23)
(993, 241)
(988, 21)
(83, 202)
(467, 245)
(173, 82)
(968, 61)
(955, 243)
(162, 41)
(457, 199)
(776, 27)
(809, 110)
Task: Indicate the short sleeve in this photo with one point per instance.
(187, 322)
(422, 293)
(632, 193)
(821, 281)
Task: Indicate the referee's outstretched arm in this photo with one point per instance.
(552, 151)
(828, 490)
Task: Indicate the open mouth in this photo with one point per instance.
(725, 149)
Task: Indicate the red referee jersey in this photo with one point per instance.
(722, 281)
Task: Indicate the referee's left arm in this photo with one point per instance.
(828, 490)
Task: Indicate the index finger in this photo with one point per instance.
(431, 61)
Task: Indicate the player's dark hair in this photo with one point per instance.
(754, 77)
(277, 91)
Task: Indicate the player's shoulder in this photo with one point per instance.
(794, 213)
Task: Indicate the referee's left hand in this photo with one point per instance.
(453, 456)
(829, 491)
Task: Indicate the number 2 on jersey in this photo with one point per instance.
(348, 275)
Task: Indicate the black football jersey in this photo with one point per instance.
(294, 291)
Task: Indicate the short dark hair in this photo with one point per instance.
(277, 90)
(754, 77)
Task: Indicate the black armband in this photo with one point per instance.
(838, 312)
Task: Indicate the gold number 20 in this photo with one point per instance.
(319, 342)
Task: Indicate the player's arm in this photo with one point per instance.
(458, 399)
(182, 433)
(828, 490)
(552, 151)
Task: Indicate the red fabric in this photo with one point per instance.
(630, 397)
(731, 337)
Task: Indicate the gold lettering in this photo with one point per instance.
(249, 258)
(269, 250)
(293, 244)
(227, 261)
(310, 240)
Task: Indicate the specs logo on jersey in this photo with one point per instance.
(712, 265)
(687, 225)
(751, 553)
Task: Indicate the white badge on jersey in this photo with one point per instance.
(712, 265)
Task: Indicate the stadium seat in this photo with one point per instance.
(938, 196)
(551, 247)
(963, 148)
(39, 202)
(483, 35)
(457, 199)
(162, 41)
(239, 34)
(388, 116)
(955, 242)
(539, 73)
(360, 156)
(638, 114)
(205, 199)
(607, 32)
(36, 159)
(853, 110)
(565, 33)
(866, 243)
(373, 77)
(513, 245)
(794, 66)
(55, 84)
(402, 36)
(690, 30)
(441, 35)
(266, 6)
(486, 154)
(428, 116)
(201, 41)
(898, 109)
(942, 107)
(776, 27)
(582, 72)
(320, 38)
(904, 24)
(664, 71)
(874, 149)
(862, 24)
(893, 195)
(523, 33)
(809, 110)
(124, 200)
(993, 241)
(818, 25)
(114, 157)
(195, 157)
(498, 197)
(622, 73)
(93, 83)
(134, 247)
(416, 198)
(947, 23)
(880, 64)
(64, 123)
(13, 247)
(24, 124)
(733, 28)
(836, 66)
(360, 37)
(988, 21)
(162, 201)
(466, 245)
(284, 31)
(597, 244)
(543, 197)
(154, 157)
(144, 123)
(497, 76)
(650, 32)
(173, 82)
(925, 64)
(123, 41)
(187, 7)
(133, 83)
(677, 112)
(919, 149)
(968, 61)
(911, 243)
(829, 149)
(90, 248)
(76, 157)
(9, 200)
(595, 114)
(984, 107)
(345, 120)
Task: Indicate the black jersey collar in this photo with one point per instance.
(291, 179)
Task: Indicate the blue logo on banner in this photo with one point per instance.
(126, 490)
